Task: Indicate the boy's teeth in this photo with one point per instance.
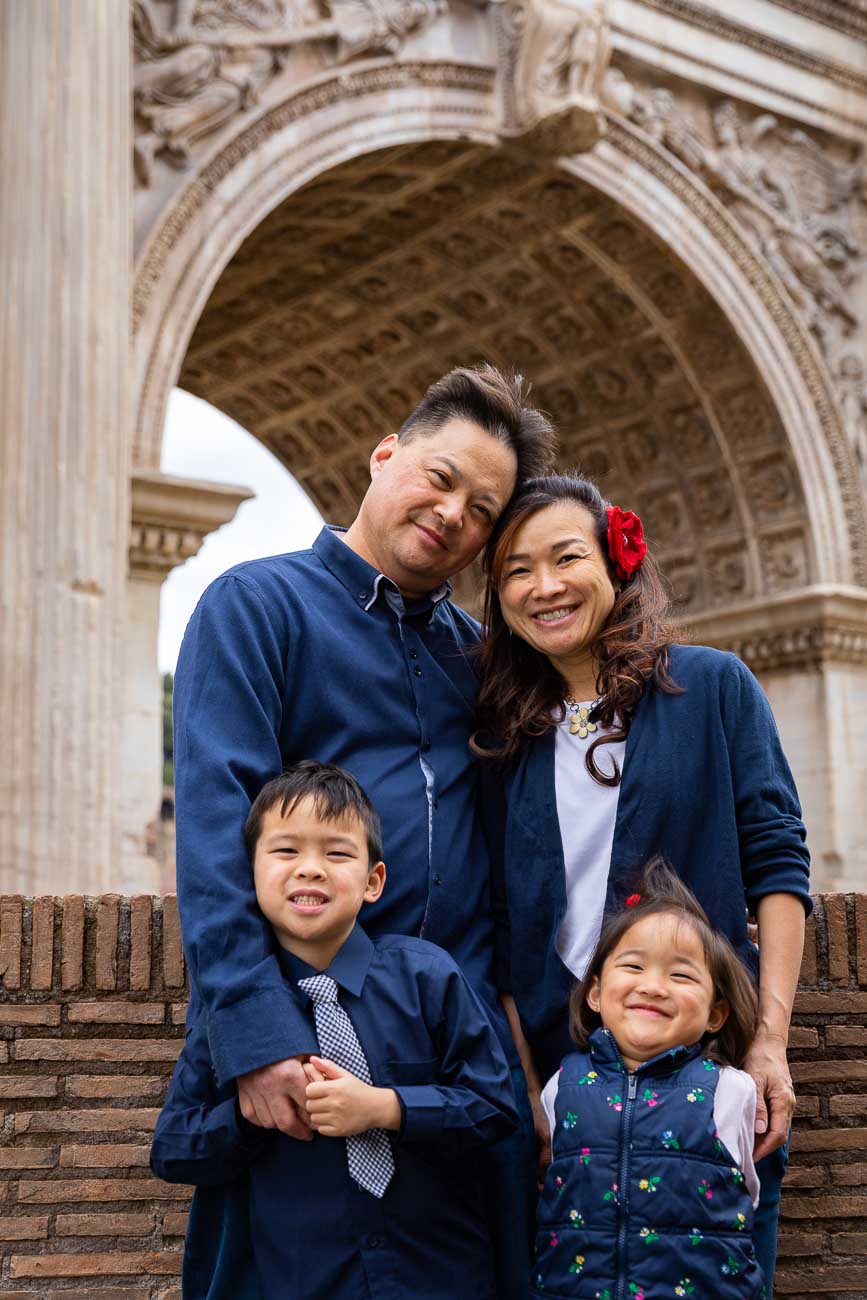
(307, 899)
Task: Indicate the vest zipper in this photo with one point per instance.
(623, 1185)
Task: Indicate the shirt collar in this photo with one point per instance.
(348, 969)
(363, 582)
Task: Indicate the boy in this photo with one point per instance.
(376, 1205)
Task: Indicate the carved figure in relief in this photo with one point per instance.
(551, 63)
(200, 62)
(853, 390)
(795, 202)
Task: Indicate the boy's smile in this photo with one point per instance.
(312, 877)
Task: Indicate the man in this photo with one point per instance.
(349, 653)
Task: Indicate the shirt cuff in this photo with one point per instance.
(258, 1031)
(422, 1107)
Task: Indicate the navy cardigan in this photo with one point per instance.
(705, 782)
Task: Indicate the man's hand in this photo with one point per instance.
(340, 1105)
(775, 1100)
(273, 1097)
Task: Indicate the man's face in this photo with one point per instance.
(433, 501)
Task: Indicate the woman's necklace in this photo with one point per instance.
(579, 719)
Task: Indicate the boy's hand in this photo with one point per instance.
(340, 1105)
(273, 1097)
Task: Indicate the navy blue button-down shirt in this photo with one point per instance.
(314, 655)
(314, 1232)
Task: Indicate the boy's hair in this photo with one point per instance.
(335, 794)
(660, 890)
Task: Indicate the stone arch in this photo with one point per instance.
(749, 486)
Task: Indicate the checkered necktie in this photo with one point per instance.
(369, 1154)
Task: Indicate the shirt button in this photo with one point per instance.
(362, 595)
(417, 672)
(413, 654)
(438, 880)
(373, 1241)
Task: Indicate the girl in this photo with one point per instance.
(652, 1186)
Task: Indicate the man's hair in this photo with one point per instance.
(498, 404)
(335, 793)
(659, 890)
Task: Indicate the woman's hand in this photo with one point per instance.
(543, 1135)
(775, 1097)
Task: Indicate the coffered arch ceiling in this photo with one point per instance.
(356, 292)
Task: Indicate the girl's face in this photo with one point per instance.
(655, 991)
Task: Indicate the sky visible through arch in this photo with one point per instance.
(201, 442)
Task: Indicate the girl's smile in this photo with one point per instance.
(655, 991)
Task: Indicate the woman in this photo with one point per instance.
(619, 744)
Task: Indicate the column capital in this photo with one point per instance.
(804, 629)
(171, 517)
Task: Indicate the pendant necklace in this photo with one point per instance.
(579, 719)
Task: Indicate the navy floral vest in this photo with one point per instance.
(642, 1200)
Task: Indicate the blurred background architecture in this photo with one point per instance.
(303, 211)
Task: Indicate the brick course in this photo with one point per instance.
(91, 1019)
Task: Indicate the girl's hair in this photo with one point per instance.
(660, 890)
(521, 694)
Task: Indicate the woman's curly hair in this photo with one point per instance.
(521, 693)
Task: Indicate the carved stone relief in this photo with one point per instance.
(201, 63)
(198, 63)
(802, 201)
(552, 57)
(852, 381)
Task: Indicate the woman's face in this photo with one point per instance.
(555, 592)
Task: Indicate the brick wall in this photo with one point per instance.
(91, 1018)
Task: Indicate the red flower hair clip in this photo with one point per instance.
(626, 545)
(633, 899)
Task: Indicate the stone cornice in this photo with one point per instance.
(805, 629)
(171, 517)
(842, 15)
(717, 24)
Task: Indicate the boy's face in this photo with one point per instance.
(311, 879)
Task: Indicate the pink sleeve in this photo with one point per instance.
(734, 1113)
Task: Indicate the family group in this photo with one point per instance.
(477, 1011)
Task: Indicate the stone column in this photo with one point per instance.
(170, 519)
(809, 651)
(65, 423)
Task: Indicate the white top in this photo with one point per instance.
(587, 812)
(734, 1116)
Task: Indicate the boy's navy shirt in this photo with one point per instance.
(314, 655)
(315, 1232)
